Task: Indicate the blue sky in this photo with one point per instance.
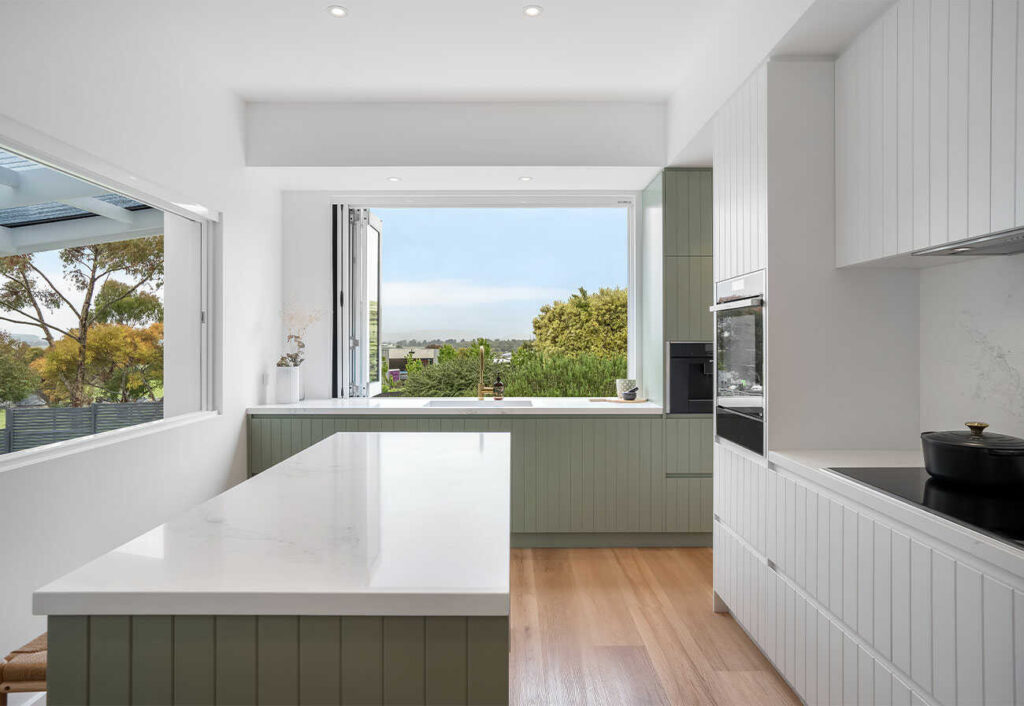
(466, 272)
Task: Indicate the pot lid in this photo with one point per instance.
(977, 437)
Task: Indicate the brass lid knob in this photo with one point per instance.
(977, 428)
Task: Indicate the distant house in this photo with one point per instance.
(397, 356)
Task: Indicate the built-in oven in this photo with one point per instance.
(739, 361)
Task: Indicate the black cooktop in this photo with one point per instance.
(998, 513)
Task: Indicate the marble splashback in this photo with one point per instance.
(972, 344)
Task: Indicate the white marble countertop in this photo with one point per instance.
(358, 524)
(458, 406)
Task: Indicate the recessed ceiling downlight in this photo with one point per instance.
(526, 178)
(533, 10)
(394, 179)
(965, 248)
(337, 11)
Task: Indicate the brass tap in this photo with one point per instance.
(481, 389)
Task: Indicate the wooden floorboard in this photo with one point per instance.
(629, 627)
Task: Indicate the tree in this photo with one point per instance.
(446, 353)
(122, 364)
(115, 305)
(17, 378)
(586, 323)
(29, 296)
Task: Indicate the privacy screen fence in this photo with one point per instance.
(26, 428)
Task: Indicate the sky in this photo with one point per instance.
(469, 272)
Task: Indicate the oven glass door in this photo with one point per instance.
(740, 341)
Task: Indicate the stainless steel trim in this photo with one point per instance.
(738, 304)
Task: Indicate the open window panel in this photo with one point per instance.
(358, 234)
(102, 307)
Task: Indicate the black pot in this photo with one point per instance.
(974, 457)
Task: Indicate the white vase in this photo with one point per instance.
(289, 383)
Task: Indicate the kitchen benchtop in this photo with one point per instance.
(419, 405)
(358, 524)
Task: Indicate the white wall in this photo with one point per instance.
(842, 348)
(138, 103)
(308, 280)
(652, 345)
(450, 134)
(972, 344)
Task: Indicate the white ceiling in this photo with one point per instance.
(454, 49)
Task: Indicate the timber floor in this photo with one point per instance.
(629, 627)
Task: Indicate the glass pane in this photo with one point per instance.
(739, 353)
(373, 301)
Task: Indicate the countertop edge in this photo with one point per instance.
(963, 539)
(592, 409)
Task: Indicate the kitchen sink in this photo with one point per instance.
(471, 403)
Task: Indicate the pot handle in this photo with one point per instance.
(977, 428)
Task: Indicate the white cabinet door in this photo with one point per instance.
(930, 127)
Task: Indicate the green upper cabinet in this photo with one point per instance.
(687, 204)
(687, 275)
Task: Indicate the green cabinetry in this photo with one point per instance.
(688, 276)
(570, 474)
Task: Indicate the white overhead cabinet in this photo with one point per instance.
(930, 128)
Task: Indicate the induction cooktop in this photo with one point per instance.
(998, 513)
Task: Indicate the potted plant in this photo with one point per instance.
(288, 388)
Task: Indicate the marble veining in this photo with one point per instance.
(359, 524)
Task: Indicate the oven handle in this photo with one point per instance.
(737, 304)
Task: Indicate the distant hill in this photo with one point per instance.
(504, 345)
(30, 339)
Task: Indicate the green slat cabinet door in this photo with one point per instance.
(319, 660)
(277, 663)
(404, 679)
(152, 660)
(67, 674)
(362, 644)
(446, 661)
(236, 660)
(488, 661)
(110, 668)
(194, 659)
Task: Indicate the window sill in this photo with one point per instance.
(418, 406)
(60, 449)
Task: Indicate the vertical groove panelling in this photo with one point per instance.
(1004, 112)
(319, 660)
(998, 680)
(943, 684)
(928, 130)
(959, 25)
(194, 660)
(152, 659)
(488, 646)
(865, 578)
(969, 639)
(739, 177)
(901, 602)
(905, 118)
(446, 661)
(921, 122)
(938, 119)
(362, 647)
(921, 614)
(979, 121)
(882, 601)
(1018, 646)
(110, 670)
(404, 671)
(277, 663)
(67, 678)
(235, 660)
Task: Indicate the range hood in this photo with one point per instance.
(1005, 242)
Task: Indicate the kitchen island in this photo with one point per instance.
(368, 568)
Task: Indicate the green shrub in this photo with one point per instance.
(539, 374)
